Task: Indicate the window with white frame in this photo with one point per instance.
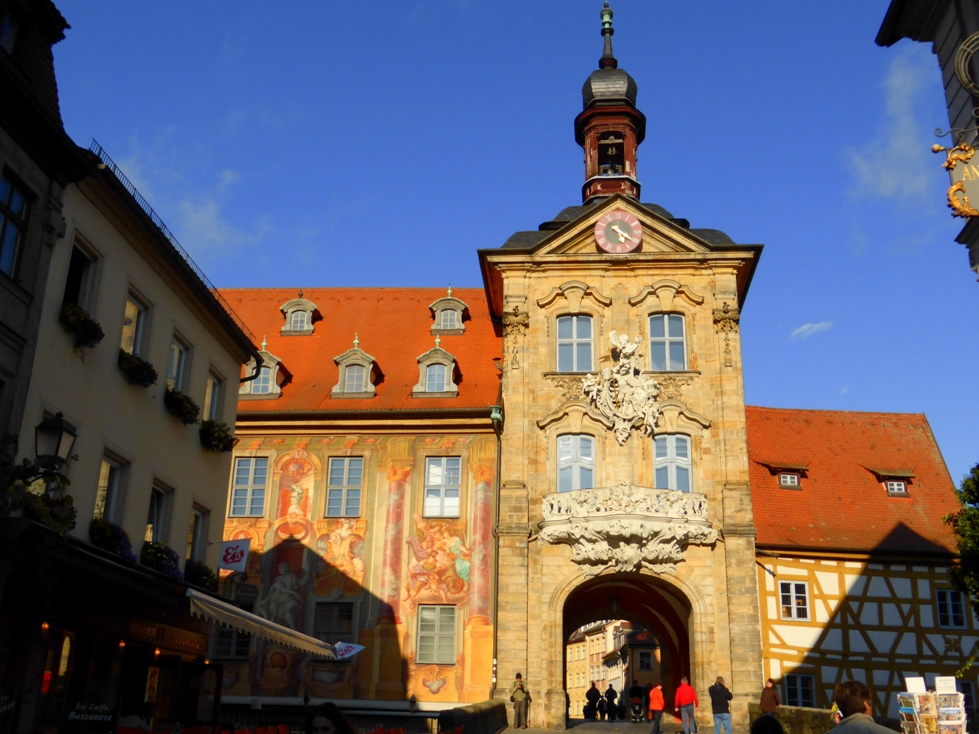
(133, 326)
(449, 319)
(353, 378)
(248, 489)
(442, 475)
(108, 493)
(333, 622)
(299, 321)
(574, 344)
(672, 462)
(436, 635)
(213, 392)
(951, 608)
(177, 364)
(800, 690)
(14, 209)
(158, 518)
(667, 342)
(575, 462)
(896, 487)
(448, 315)
(345, 481)
(262, 385)
(197, 533)
(645, 660)
(788, 480)
(435, 378)
(794, 596)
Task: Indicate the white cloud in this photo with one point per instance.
(807, 330)
(898, 163)
(845, 390)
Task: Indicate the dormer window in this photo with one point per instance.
(896, 487)
(448, 315)
(299, 316)
(356, 367)
(788, 480)
(265, 386)
(436, 371)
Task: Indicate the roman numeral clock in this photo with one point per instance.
(618, 232)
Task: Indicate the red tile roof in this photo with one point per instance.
(394, 327)
(841, 504)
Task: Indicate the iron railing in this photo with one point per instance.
(155, 218)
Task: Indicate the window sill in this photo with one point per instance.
(246, 517)
(437, 517)
(351, 395)
(259, 396)
(447, 332)
(568, 374)
(416, 394)
(298, 332)
(691, 373)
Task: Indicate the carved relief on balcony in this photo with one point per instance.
(627, 528)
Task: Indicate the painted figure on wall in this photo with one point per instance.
(280, 604)
(439, 563)
(342, 549)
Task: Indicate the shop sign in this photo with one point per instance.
(234, 554)
(92, 712)
(145, 631)
(964, 173)
(183, 641)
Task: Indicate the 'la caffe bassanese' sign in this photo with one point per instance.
(962, 165)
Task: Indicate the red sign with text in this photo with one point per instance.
(234, 554)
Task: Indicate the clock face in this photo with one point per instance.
(618, 232)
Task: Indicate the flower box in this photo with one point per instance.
(182, 406)
(86, 330)
(217, 437)
(111, 537)
(137, 370)
(161, 557)
(200, 574)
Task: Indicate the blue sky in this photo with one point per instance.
(382, 143)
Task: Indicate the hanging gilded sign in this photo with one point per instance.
(965, 178)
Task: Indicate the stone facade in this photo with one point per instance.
(675, 273)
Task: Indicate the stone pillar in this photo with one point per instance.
(512, 612)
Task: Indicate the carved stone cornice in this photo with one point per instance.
(666, 290)
(626, 527)
(573, 291)
(727, 317)
(670, 386)
(571, 387)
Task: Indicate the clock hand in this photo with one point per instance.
(620, 233)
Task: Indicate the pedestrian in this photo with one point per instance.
(593, 696)
(720, 705)
(686, 702)
(610, 696)
(519, 696)
(853, 699)
(602, 708)
(770, 700)
(656, 706)
(327, 718)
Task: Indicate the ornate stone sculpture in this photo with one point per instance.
(622, 393)
(626, 527)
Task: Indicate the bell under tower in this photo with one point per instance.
(610, 128)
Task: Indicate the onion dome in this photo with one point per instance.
(608, 85)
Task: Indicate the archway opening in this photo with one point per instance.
(623, 629)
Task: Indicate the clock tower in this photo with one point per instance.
(610, 128)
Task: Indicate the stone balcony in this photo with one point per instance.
(627, 527)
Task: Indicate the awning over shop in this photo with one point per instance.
(215, 610)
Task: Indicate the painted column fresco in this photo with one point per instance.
(393, 541)
(478, 636)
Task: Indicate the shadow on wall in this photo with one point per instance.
(865, 614)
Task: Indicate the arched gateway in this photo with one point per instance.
(623, 454)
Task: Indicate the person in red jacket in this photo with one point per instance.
(656, 706)
(686, 701)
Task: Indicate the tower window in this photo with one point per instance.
(611, 154)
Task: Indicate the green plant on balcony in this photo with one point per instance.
(111, 537)
(182, 406)
(137, 370)
(200, 574)
(217, 437)
(86, 330)
(161, 557)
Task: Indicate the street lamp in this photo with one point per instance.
(53, 441)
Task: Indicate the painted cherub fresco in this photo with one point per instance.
(439, 563)
(343, 551)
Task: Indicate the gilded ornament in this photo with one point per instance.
(960, 206)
